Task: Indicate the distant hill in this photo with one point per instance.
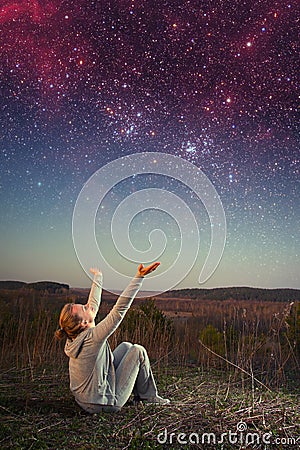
(11, 285)
(226, 293)
(235, 293)
(194, 294)
(49, 286)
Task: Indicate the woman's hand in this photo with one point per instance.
(142, 271)
(95, 270)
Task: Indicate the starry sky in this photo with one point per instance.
(214, 83)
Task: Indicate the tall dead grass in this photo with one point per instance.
(259, 340)
(252, 338)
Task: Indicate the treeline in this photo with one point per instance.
(50, 286)
(220, 294)
(236, 293)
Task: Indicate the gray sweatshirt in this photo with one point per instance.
(91, 369)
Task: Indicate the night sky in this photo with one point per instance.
(214, 83)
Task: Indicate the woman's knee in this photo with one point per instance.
(139, 347)
(126, 345)
(123, 347)
(133, 352)
(141, 350)
(120, 351)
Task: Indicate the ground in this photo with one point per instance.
(209, 409)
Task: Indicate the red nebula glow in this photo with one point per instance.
(13, 11)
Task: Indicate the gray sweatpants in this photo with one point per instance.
(133, 375)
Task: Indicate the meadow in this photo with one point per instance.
(229, 366)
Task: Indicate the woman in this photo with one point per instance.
(102, 380)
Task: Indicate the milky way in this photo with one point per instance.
(213, 82)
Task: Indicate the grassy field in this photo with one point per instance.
(230, 369)
(38, 412)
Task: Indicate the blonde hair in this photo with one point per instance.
(70, 324)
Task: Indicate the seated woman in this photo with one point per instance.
(102, 380)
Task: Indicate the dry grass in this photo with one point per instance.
(39, 413)
(242, 368)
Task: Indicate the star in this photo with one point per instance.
(215, 86)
